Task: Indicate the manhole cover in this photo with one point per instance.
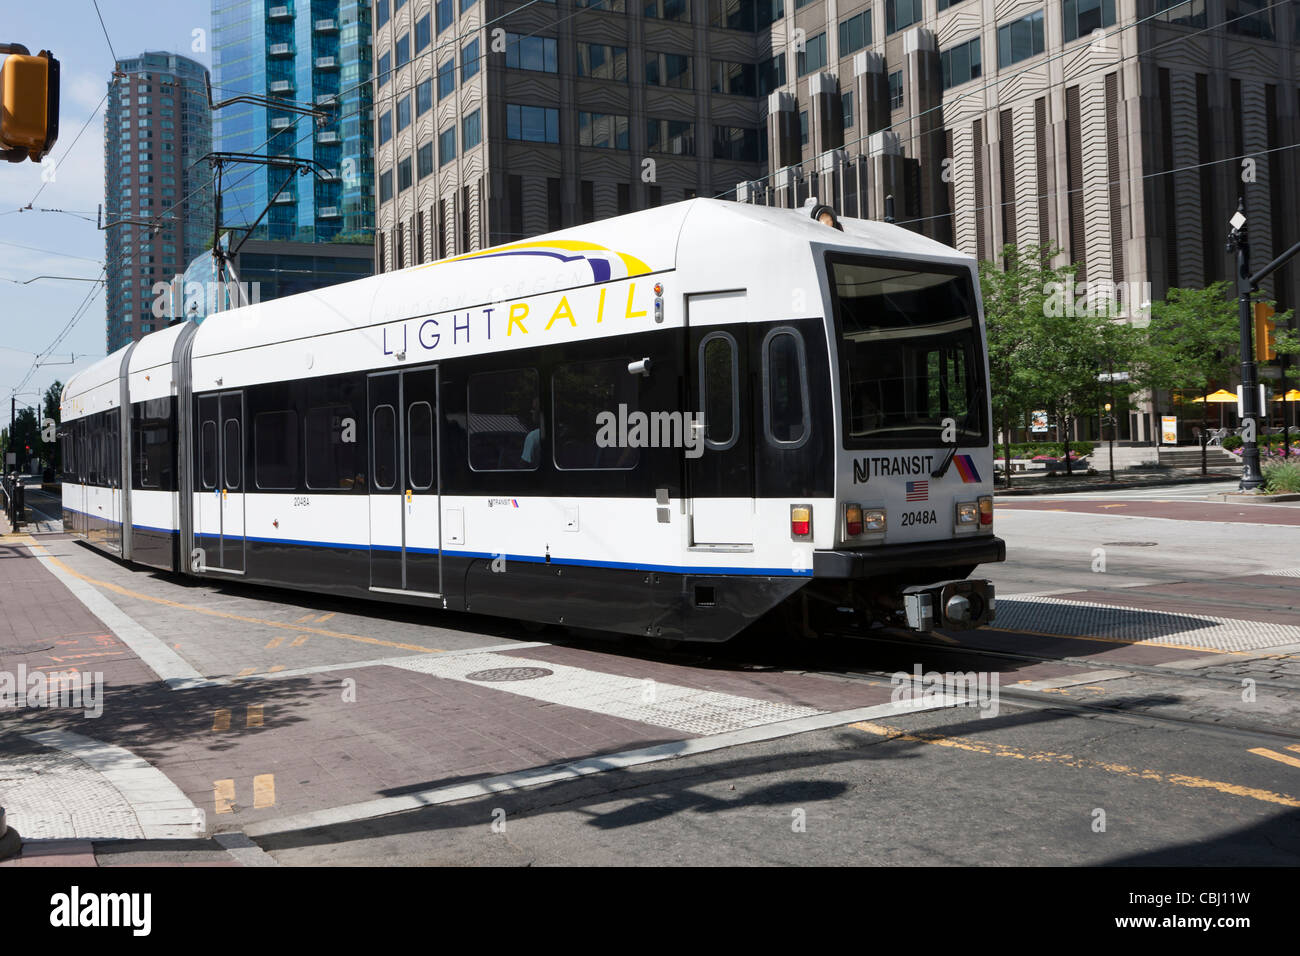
(28, 648)
(1129, 544)
(509, 673)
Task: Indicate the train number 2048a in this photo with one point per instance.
(919, 517)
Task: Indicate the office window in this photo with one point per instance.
(1250, 18)
(471, 131)
(424, 160)
(1020, 39)
(402, 49)
(602, 62)
(610, 6)
(901, 13)
(669, 69)
(666, 9)
(896, 90)
(505, 420)
(813, 57)
(739, 144)
(381, 13)
(385, 127)
(386, 185)
(603, 130)
(961, 63)
(582, 392)
(803, 127)
(275, 450)
(846, 109)
(444, 13)
(533, 124)
(423, 97)
(855, 32)
(446, 79)
(466, 4)
(1081, 17)
(403, 113)
(404, 174)
(676, 137)
(446, 146)
(1190, 13)
(747, 15)
(771, 74)
(381, 74)
(422, 33)
(734, 79)
(530, 53)
(945, 4)
(469, 62)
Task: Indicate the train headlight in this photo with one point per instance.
(801, 521)
(873, 521)
(968, 516)
(986, 511)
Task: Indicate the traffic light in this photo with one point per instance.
(29, 103)
(1265, 332)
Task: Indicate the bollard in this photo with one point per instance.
(10, 842)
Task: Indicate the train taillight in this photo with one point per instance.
(852, 521)
(986, 510)
(801, 521)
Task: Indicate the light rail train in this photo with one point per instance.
(671, 423)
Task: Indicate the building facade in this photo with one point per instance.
(157, 202)
(312, 53)
(495, 120)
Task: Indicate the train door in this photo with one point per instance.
(720, 479)
(113, 476)
(405, 535)
(219, 500)
(81, 498)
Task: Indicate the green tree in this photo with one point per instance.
(1015, 296)
(50, 450)
(1193, 341)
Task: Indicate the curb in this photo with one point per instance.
(10, 841)
(1071, 487)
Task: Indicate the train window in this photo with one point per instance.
(330, 434)
(785, 389)
(590, 400)
(232, 455)
(719, 393)
(505, 421)
(385, 429)
(419, 445)
(208, 455)
(275, 450)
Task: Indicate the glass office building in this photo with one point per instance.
(312, 53)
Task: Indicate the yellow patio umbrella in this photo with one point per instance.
(1292, 396)
(1222, 397)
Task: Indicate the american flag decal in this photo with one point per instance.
(918, 491)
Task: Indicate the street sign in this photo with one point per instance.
(1169, 429)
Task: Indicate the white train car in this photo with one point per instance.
(669, 423)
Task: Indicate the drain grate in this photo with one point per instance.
(498, 674)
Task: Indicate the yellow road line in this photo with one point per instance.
(221, 721)
(223, 795)
(324, 617)
(1069, 760)
(1274, 755)
(263, 791)
(246, 671)
(274, 642)
(253, 716)
(274, 669)
(127, 592)
(300, 641)
(1112, 506)
(307, 617)
(1295, 747)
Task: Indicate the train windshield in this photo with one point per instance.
(910, 354)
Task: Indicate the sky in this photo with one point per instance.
(34, 243)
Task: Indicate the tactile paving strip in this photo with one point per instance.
(683, 709)
(1160, 628)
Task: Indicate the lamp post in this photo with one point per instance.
(1251, 477)
(1109, 421)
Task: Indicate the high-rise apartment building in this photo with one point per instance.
(496, 120)
(157, 201)
(312, 53)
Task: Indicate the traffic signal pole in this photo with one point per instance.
(1247, 284)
